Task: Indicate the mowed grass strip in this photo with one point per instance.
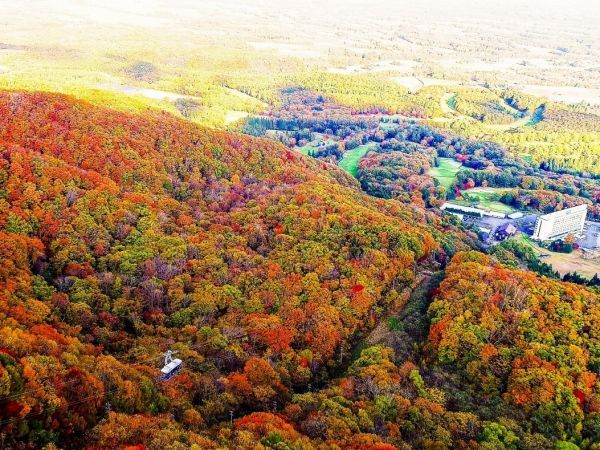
(352, 157)
(306, 149)
(446, 171)
(484, 199)
(488, 205)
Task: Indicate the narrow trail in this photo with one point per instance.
(409, 328)
(351, 158)
(405, 329)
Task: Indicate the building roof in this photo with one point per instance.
(564, 212)
(171, 366)
(507, 228)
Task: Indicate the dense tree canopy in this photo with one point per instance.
(126, 235)
(272, 274)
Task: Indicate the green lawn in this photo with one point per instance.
(446, 172)
(498, 207)
(484, 199)
(305, 149)
(527, 157)
(451, 101)
(314, 144)
(352, 157)
(487, 205)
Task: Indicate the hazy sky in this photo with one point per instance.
(152, 11)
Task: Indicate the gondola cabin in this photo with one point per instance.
(169, 370)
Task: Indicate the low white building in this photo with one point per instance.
(560, 224)
(453, 207)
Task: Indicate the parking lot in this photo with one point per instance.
(591, 238)
(524, 224)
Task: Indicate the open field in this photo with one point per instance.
(565, 262)
(568, 94)
(487, 191)
(352, 157)
(446, 171)
(306, 149)
(572, 262)
(233, 116)
(314, 144)
(245, 96)
(388, 126)
(488, 205)
(153, 94)
(403, 66)
(484, 199)
(509, 126)
(484, 193)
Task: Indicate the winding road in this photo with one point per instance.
(448, 108)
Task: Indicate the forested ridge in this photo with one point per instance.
(122, 236)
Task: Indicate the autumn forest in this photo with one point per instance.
(281, 223)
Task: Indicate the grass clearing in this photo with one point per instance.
(564, 262)
(314, 144)
(446, 171)
(385, 126)
(352, 157)
(483, 197)
(448, 106)
(526, 157)
(233, 116)
(306, 149)
(448, 103)
(523, 122)
(487, 205)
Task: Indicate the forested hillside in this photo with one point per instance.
(504, 360)
(299, 225)
(123, 236)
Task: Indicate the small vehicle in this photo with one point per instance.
(172, 366)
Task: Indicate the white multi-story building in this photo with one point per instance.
(560, 224)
